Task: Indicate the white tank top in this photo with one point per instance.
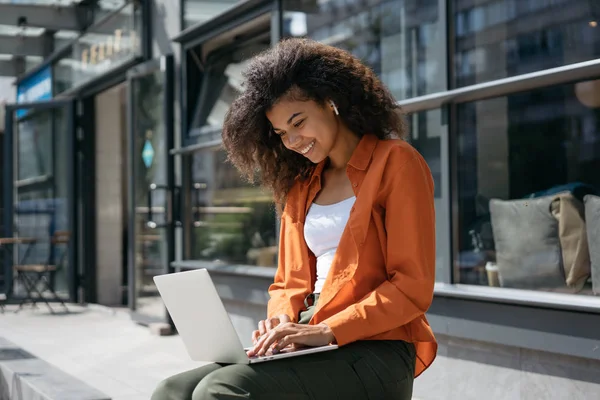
(322, 232)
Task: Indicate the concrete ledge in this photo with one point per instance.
(26, 377)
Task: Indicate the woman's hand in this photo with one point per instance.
(267, 325)
(287, 334)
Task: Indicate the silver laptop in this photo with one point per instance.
(203, 323)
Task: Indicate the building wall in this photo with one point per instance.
(468, 369)
(463, 370)
(110, 175)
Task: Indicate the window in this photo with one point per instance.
(231, 221)
(428, 134)
(403, 41)
(34, 140)
(221, 83)
(228, 220)
(523, 36)
(526, 163)
(198, 11)
(108, 45)
(41, 187)
(2, 228)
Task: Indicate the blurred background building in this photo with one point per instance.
(113, 137)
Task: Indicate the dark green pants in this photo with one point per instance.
(364, 370)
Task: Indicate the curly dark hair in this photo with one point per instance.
(302, 69)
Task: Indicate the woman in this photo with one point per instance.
(357, 243)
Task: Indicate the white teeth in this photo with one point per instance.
(307, 148)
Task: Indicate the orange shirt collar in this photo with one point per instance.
(361, 157)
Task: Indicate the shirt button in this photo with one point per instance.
(355, 184)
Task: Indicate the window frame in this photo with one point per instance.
(192, 40)
(558, 323)
(449, 100)
(528, 319)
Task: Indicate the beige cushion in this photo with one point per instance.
(541, 242)
(592, 219)
(570, 214)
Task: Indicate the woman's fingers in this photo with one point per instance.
(285, 341)
(265, 326)
(283, 318)
(255, 336)
(271, 323)
(262, 329)
(273, 337)
(288, 334)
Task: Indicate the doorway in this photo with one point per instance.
(151, 196)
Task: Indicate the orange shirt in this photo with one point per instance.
(381, 280)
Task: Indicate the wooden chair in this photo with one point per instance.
(31, 276)
(6, 250)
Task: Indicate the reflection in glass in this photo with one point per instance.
(525, 164)
(150, 196)
(222, 83)
(114, 42)
(35, 139)
(427, 135)
(41, 209)
(503, 38)
(198, 11)
(233, 222)
(2, 227)
(403, 41)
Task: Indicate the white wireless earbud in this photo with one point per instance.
(335, 110)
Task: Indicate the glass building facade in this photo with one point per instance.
(526, 142)
(502, 98)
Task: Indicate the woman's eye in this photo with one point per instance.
(299, 124)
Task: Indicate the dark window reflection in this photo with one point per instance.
(222, 82)
(427, 131)
(199, 11)
(425, 136)
(35, 142)
(41, 193)
(150, 190)
(233, 222)
(503, 38)
(525, 164)
(403, 41)
(114, 42)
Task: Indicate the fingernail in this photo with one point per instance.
(275, 351)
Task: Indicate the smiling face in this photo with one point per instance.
(305, 127)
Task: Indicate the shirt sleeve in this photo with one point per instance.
(288, 290)
(410, 227)
(279, 302)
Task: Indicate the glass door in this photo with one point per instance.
(38, 190)
(151, 186)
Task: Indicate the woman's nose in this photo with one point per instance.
(293, 139)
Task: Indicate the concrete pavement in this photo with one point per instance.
(102, 347)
